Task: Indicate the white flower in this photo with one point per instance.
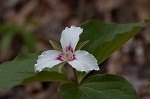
(80, 60)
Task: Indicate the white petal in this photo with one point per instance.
(47, 59)
(84, 61)
(70, 37)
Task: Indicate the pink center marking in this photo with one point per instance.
(67, 55)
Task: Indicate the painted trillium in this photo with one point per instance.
(80, 60)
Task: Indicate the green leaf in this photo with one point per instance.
(6, 40)
(21, 71)
(29, 41)
(32, 23)
(58, 68)
(102, 86)
(107, 38)
(8, 27)
(55, 45)
(81, 44)
(81, 76)
(7, 30)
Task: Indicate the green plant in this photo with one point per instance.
(103, 39)
(9, 30)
